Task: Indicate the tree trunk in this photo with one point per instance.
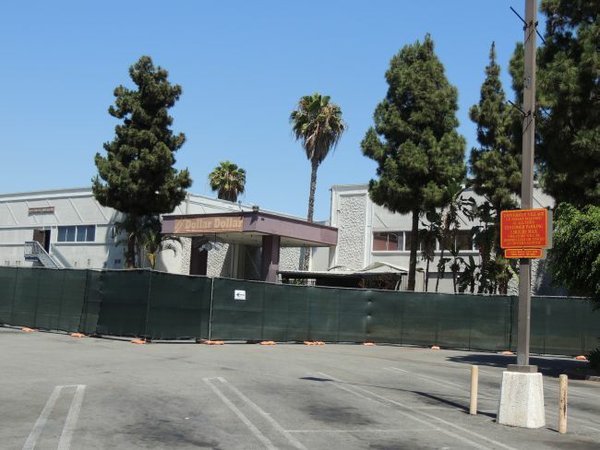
(414, 246)
(130, 253)
(311, 208)
(313, 188)
(440, 272)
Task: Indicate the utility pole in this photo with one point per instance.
(522, 391)
(529, 79)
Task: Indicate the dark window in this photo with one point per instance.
(464, 240)
(80, 233)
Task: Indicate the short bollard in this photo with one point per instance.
(563, 381)
(474, 387)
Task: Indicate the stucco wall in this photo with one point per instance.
(351, 215)
(219, 261)
(289, 258)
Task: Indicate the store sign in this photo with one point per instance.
(215, 224)
(525, 228)
(529, 253)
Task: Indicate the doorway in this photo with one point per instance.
(198, 257)
(43, 237)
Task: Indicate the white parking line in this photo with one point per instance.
(255, 431)
(291, 439)
(40, 423)
(70, 422)
(67, 433)
(383, 400)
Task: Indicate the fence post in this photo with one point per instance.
(14, 296)
(210, 308)
(148, 305)
(84, 304)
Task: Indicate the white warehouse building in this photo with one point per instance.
(68, 228)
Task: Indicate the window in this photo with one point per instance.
(464, 241)
(79, 233)
(66, 234)
(388, 241)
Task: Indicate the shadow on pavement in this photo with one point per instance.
(548, 366)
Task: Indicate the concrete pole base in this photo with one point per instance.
(522, 400)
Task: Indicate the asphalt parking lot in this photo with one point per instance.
(60, 392)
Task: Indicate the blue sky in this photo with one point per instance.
(243, 65)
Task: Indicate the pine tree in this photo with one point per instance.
(495, 166)
(137, 177)
(568, 93)
(569, 83)
(415, 142)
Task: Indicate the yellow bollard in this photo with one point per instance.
(474, 388)
(563, 381)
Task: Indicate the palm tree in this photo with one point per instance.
(318, 124)
(228, 180)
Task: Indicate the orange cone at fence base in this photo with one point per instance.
(507, 353)
(314, 343)
(27, 329)
(138, 341)
(369, 344)
(77, 335)
(581, 358)
(435, 347)
(267, 343)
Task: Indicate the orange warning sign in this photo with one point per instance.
(530, 253)
(524, 228)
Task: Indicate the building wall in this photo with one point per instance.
(20, 216)
(78, 207)
(358, 218)
(349, 214)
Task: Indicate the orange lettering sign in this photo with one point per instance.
(524, 228)
(530, 253)
(201, 225)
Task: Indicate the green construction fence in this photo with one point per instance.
(156, 305)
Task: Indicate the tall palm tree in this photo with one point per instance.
(318, 124)
(228, 180)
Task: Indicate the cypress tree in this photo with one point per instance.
(137, 177)
(495, 166)
(414, 141)
(495, 169)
